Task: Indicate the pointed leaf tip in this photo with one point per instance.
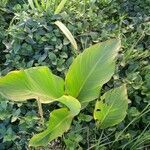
(60, 121)
(91, 69)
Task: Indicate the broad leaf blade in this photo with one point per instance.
(91, 69)
(36, 82)
(112, 108)
(67, 33)
(60, 6)
(60, 121)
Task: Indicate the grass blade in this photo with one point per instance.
(37, 5)
(43, 4)
(31, 4)
(60, 6)
(48, 4)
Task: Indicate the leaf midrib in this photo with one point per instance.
(109, 110)
(91, 71)
(49, 132)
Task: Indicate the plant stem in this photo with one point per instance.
(40, 111)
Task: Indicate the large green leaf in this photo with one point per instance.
(60, 121)
(112, 107)
(36, 82)
(91, 69)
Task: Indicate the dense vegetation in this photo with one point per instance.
(29, 38)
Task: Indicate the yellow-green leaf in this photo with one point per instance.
(91, 69)
(38, 6)
(72, 103)
(43, 4)
(60, 121)
(36, 82)
(112, 107)
(31, 3)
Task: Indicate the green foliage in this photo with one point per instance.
(3, 3)
(112, 107)
(35, 41)
(97, 21)
(90, 22)
(39, 83)
(60, 121)
(87, 74)
(47, 5)
(60, 6)
(16, 123)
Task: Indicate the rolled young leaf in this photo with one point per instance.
(31, 3)
(72, 103)
(67, 33)
(91, 69)
(36, 82)
(112, 107)
(60, 121)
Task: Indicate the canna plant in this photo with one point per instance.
(46, 6)
(88, 73)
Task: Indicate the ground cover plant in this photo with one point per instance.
(30, 32)
(90, 22)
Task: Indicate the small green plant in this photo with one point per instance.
(36, 38)
(86, 76)
(3, 3)
(46, 6)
